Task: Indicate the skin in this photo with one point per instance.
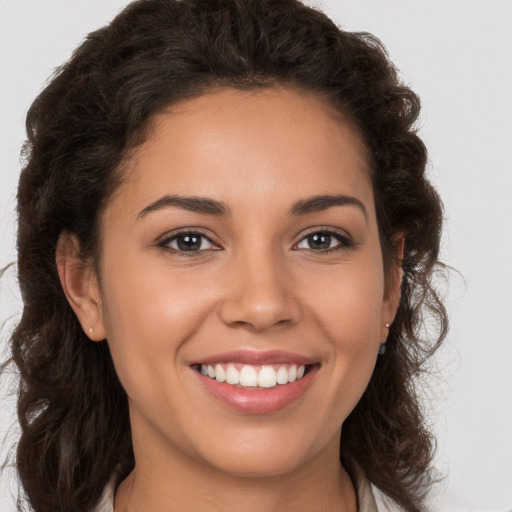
(259, 285)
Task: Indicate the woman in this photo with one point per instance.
(226, 245)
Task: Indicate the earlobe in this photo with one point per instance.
(80, 285)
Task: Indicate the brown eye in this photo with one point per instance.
(323, 241)
(188, 242)
(319, 241)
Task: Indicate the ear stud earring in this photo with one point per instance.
(90, 329)
(382, 347)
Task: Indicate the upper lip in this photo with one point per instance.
(254, 357)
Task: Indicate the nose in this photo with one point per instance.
(259, 294)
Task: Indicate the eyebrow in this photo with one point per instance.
(210, 206)
(323, 202)
(194, 204)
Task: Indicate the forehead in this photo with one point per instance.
(257, 147)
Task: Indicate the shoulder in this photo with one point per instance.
(365, 494)
(383, 503)
(369, 498)
(106, 502)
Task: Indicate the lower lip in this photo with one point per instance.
(260, 400)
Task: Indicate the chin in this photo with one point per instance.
(257, 463)
(263, 453)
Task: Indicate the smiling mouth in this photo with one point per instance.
(254, 376)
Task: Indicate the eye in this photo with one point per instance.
(188, 241)
(324, 241)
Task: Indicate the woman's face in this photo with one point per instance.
(243, 244)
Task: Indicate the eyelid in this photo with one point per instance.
(164, 240)
(345, 239)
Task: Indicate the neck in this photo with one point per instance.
(179, 483)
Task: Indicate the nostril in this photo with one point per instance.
(259, 313)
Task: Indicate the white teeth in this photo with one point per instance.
(282, 375)
(267, 377)
(232, 375)
(254, 376)
(248, 376)
(220, 374)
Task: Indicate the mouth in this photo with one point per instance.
(254, 376)
(256, 382)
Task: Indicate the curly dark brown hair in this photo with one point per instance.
(72, 408)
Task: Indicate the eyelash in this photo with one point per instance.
(164, 244)
(345, 242)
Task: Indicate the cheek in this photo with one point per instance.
(148, 316)
(348, 303)
(349, 312)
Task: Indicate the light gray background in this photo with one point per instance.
(457, 54)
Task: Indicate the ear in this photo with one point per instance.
(393, 282)
(80, 285)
